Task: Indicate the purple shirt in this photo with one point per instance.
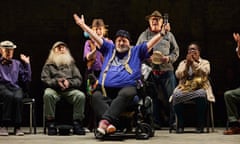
(98, 62)
(13, 73)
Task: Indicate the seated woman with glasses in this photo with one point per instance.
(194, 85)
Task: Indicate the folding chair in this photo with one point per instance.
(209, 116)
(32, 117)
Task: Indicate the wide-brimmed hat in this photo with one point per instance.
(7, 44)
(154, 14)
(59, 43)
(98, 23)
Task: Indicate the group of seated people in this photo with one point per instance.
(116, 87)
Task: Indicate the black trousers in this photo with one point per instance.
(12, 105)
(201, 105)
(116, 102)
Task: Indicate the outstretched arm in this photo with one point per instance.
(80, 21)
(236, 37)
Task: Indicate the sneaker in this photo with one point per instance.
(200, 130)
(111, 129)
(102, 127)
(232, 131)
(78, 129)
(52, 130)
(19, 132)
(180, 130)
(3, 131)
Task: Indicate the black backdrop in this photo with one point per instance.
(35, 25)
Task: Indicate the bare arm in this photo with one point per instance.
(236, 37)
(80, 21)
(90, 49)
(91, 54)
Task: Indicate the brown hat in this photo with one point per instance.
(154, 14)
(98, 23)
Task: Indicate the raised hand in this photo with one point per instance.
(79, 20)
(163, 29)
(236, 37)
(189, 59)
(167, 27)
(24, 58)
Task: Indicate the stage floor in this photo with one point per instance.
(161, 137)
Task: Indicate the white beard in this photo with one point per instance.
(62, 59)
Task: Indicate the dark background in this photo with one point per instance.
(35, 25)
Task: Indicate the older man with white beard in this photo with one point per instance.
(63, 80)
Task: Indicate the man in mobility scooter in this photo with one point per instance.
(121, 69)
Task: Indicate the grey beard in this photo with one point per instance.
(122, 49)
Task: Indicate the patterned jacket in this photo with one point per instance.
(201, 73)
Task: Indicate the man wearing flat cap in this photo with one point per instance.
(62, 80)
(165, 53)
(12, 73)
(120, 71)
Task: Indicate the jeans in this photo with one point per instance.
(232, 101)
(163, 86)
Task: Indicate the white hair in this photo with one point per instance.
(60, 59)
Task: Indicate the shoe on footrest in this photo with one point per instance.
(102, 126)
(111, 129)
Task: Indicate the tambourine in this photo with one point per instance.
(156, 57)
